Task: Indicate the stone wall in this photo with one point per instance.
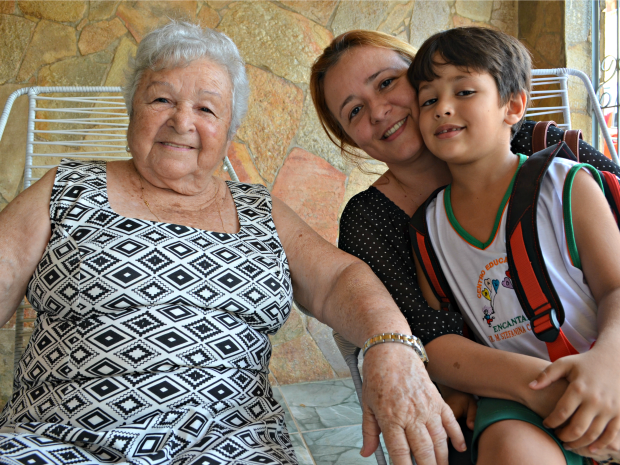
(280, 144)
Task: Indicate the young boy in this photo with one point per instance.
(473, 88)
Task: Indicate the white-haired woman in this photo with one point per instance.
(157, 284)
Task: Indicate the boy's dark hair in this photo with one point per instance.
(479, 49)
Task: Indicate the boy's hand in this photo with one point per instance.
(588, 414)
(462, 404)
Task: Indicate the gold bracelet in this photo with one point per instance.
(411, 341)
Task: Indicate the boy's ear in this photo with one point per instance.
(515, 108)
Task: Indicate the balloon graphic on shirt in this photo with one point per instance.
(507, 282)
(487, 283)
(486, 294)
(496, 284)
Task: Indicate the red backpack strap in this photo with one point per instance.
(539, 135)
(529, 274)
(572, 138)
(611, 186)
(423, 248)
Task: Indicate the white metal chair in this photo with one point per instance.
(550, 84)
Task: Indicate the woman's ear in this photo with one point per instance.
(515, 108)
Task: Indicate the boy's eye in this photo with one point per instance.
(354, 112)
(464, 93)
(385, 83)
(428, 102)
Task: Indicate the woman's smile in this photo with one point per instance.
(395, 130)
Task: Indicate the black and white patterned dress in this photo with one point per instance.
(151, 341)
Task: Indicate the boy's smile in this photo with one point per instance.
(461, 118)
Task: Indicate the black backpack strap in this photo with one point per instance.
(530, 277)
(423, 248)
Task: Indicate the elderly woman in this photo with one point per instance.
(364, 100)
(157, 284)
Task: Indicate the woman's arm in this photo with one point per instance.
(399, 399)
(24, 233)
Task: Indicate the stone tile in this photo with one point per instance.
(61, 11)
(290, 424)
(478, 11)
(13, 144)
(324, 404)
(293, 328)
(98, 36)
(126, 49)
(312, 137)
(7, 347)
(340, 446)
(280, 40)
(15, 34)
(361, 14)
(101, 9)
(505, 16)
(299, 360)
(397, 21)
(460, 21)
(313, 189)
(273, 117)
(82, 71)
(142, 17)
(219, 4)
(322, 335)
(51, 42)
(303, 456)
(319, 11)
(428, 18)
(208, 17)
(7, 7)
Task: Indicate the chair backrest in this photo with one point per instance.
(550, 92)
(70, 122)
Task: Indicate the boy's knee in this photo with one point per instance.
(517, 442)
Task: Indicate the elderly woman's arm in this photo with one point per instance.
(24, 233)
(399, 398)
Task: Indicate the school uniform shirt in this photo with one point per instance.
(480, 279)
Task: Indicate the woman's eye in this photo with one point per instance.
(161, 100)
(464, 93)
(428, 102)
(385, 83)
(354, 112)
(206, 110)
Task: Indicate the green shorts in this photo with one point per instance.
(493, 410)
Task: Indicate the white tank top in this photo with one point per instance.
(480, 280)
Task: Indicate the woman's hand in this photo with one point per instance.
(400, 401)
(588, 414)
(461, 404)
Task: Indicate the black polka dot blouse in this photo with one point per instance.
(375, 230)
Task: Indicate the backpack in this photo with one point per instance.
(528, 271)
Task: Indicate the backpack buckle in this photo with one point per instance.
(546, 326)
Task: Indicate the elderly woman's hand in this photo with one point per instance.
(401, 402)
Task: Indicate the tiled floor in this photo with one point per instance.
(324, 420)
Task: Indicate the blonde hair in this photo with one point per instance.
(329, 58)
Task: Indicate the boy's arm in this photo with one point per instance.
(467, 366)
(592, 400)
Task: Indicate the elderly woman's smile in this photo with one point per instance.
(181, 119)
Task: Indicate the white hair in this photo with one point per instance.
(178, 44)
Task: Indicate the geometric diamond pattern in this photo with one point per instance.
(151, 338)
